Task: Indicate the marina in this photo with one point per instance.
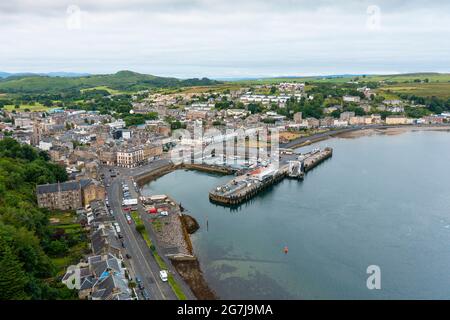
(249, 184)
(332, 224)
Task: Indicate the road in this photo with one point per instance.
(142, 261)
(144, 216)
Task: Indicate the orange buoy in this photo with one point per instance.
(286, 250)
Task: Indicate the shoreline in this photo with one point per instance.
(361, 132)
(390, 131)
(188, 267)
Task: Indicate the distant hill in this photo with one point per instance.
(122, 81)
(4, 74)
(402, 78)
(50, 74)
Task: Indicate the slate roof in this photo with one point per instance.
(56, 187)
(111, 264)
(65, 186)
(87, 283)
(105, 287)
(102, 238)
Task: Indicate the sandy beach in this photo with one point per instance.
(389, 131)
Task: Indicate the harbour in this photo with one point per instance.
(334, 234)
(249, 184)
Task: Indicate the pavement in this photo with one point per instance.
(142, 261)
(148, 226)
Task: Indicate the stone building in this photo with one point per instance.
(108, 157)
(396, 119)
(298, 117)
(152, 150)
(130, 158)
(59, 196)
(91, 190)
(69, 195)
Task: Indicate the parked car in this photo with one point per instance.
(163, 275)
(164, 213)
(129, 219)
(145, 295)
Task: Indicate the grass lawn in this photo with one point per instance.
(36, 107)
(67, 222)
(62, 218)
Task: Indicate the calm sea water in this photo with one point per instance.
(381, 200)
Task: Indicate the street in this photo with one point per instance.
(142, 261)
(144, 265)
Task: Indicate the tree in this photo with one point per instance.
(57, 248)
(12, 277)
(140, 228)
(273, 90)
(254, 108)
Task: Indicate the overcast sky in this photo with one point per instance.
(225, 38)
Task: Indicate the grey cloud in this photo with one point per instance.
(225, 37)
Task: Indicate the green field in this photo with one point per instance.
(111, 91)
(440, 90)
(432, 77)
(36, 107)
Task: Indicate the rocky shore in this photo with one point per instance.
(173, 233)
(190, 271)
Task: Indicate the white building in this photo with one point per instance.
(130, 158)
(355, 99)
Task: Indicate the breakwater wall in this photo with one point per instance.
(248, 193)
(243, 188)
(150, 175)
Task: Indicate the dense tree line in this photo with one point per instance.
(26, 271)
(433, 103)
